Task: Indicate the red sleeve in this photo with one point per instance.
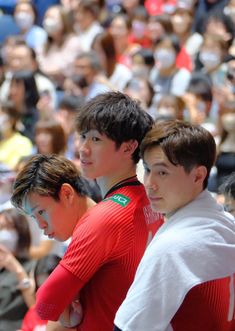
(58, 291)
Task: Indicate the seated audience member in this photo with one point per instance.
(23, 93)
(86, 23)
(225, 160)
(165, 76)
(227, 189)
(169, 106)
(87, 76)
(186, 275)
(62, 46)
(50, 137)
(13, 145)
(18, 56)
(25, 15)
(117, 73)
(17, 291)
(67, 111)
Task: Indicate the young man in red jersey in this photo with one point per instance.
(185, 280)
(108, 241)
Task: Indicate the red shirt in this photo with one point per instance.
(209, 306)
(106, 248)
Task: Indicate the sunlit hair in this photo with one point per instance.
(45, 175)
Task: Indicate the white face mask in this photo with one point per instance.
(24, 20)
(228, 122)
(209, 59)
(51, 25)
(9, 239)
(165, 58)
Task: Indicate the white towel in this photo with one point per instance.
(195, 245)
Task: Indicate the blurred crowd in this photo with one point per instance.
(177, 57)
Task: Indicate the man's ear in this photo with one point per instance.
(200, 174)
(66, 193)
(130, 146)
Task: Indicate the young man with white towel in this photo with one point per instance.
(185, 280)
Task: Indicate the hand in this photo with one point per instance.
(72, 316)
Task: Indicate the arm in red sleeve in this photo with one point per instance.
(58, 291)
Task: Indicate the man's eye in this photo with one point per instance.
(95, 139)
(162, 173)
(40, 212)
(146, 170)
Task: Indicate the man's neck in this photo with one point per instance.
(107, 182)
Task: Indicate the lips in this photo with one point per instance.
(85, 162)
(154, 199)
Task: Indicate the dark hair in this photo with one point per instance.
(183, 143)
(31, 91)
(201, 86)
(228, 186)
(147, 55)
(58, 136)
(45, 175)
(106, 43)
(71, 103)
(170, 39)
(226, 20)
(90, 6)
(117, 116)
(34, 9)
(20, 224)
(93, 59)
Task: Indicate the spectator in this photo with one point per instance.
(117, 73)
(62, 45)
(86, 23)
(23, 58)
(228, 191)
(50, 137)
(23, 93)
(13, 145)
(25, 15)
(17, 291)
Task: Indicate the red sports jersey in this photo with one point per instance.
(208, 307)
(105, 250)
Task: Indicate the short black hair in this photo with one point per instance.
(117, 116)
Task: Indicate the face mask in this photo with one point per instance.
(164, 57)
(166, 112)
(24, 20)
(51, 25)
(228, 122)
(209, 59)
(9, 239)
(138, 28)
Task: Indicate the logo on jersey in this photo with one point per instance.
(122, 200)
